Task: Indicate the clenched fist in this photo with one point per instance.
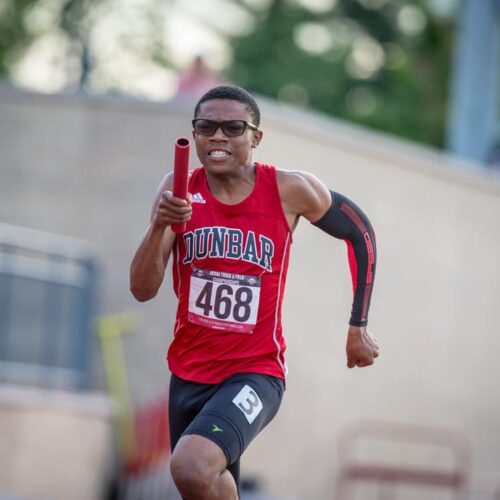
(361, 347)
(171, 210)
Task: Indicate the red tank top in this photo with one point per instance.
(229, 274)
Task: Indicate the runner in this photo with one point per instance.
(229, 269)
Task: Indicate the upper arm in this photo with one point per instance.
(303, 194)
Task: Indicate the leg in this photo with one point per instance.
(185, 401)
(234, 469)
(198, 467)
(232, 413)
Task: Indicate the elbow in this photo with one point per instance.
(142, 294)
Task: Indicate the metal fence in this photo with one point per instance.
(47, 308)
(430, 462)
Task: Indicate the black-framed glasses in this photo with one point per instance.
(230, 128)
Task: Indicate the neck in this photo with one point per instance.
(232, 187)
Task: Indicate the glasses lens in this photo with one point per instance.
(205, 127)
(230, 128)
(233, 128)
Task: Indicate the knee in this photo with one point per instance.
(190, 473)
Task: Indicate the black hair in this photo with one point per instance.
(233, 93)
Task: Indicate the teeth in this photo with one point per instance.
(218, 154)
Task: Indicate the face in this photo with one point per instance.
(219, 153)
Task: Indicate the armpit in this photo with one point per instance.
(303, 194)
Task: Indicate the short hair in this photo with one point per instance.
(233, 93)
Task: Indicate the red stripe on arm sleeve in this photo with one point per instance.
(346, 221)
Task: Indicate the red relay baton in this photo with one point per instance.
(181, 172)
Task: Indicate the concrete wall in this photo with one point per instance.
(54, 445)
(89, 167)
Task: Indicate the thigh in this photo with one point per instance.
(237, 411)
(185, 401)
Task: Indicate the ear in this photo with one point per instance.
(257, 137)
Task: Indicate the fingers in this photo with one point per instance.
(364, 362)
(173, 210)
(167, 198)
(361, 362)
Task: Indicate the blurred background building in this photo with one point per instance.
(392, 102)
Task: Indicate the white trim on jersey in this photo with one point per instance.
(278, 356)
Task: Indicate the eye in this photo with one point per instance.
(204, 127)
(235, 127)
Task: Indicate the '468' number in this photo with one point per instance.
(225, 302)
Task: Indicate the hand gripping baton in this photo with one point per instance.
(181, 171)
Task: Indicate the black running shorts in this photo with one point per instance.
(230, 413)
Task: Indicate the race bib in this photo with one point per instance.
(224, 301)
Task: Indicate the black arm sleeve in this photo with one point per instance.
(346, 221)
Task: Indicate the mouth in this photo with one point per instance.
(218, 154)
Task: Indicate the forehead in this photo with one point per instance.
(223, 109)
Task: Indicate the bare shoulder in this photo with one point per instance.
(302, 193)
(166, 184)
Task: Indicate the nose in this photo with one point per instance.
(218, 135)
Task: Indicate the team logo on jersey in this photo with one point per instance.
(198, 198)
(228, 243)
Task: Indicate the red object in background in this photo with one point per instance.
(181, 171)
(151, 438)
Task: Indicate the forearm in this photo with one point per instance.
(347, 221)
(148, 265)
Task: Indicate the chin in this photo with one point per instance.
(219, 168)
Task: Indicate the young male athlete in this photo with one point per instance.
(229, 270)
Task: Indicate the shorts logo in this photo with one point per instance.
(249, 403)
